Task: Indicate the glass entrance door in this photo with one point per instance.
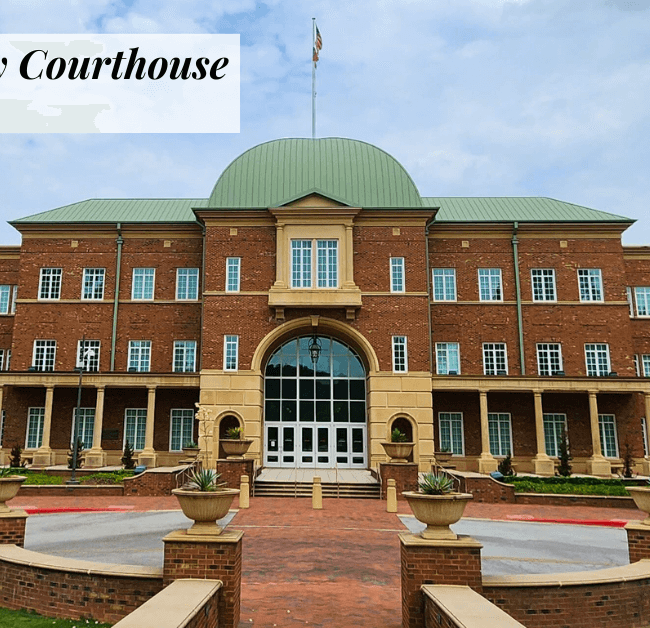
(315, 414)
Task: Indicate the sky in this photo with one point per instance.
(473, 97)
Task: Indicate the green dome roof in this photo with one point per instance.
(349, 171)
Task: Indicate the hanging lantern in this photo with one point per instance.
(315, 347)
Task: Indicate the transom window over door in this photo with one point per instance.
(315, 413)
(325, 265)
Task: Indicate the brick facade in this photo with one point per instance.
(232, 470)
(361, 311)
(405, 476)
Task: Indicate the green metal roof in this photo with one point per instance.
(166, 210)
(348, 171)
(510, 209)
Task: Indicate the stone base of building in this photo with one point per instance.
(597, 465)
(148, 458)
(487, 463)
(43, 458)
(543, 465)
(94, 459)
(12, 527)
(404, 474)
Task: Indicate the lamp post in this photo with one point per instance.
(86, 354)
(315, 347)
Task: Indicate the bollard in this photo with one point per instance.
(391, 496)
(317, 495)
(244, 492)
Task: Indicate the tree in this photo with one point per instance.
(15, 457)
(127, 456)
(564, 469)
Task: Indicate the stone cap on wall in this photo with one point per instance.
(174, 606)
(636, 571)
(467, 608)
(19, 556)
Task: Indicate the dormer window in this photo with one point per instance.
(325, 265)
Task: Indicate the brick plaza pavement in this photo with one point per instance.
(334, 567)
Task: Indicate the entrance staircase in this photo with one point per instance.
(342, 483)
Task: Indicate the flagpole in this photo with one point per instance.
(313, 82)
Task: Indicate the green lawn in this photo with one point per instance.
(24, 619)
(43, 479)
(571, 486)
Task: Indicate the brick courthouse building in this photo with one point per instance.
(481, 325)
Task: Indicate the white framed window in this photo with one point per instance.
(184, 356)
(86, 426)
(543, 284)
(645, 360)
(231, 353)
(92, 288)
(554, 428)
(8, 299)
(637, 366)
(143, 284)
(642, 297)
(490, 284)
(140, 356)
(326, 263)
(590, 282)
(135, 427)
(397, 274)
(447, 358)
(495, 358)
(549, 358)
(49, 286)
(400, 355)
(2, 360)
(444, 284)
(644, 432)
(8, 360)
(181, 429)
(35, 424)
(187, 284)
(452, 436)
(44, 355)
(233, 274)
(500, 431)
(88, 355)
(3, 417)
(608, 438)
(597, 360)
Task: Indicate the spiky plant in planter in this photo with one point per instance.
(234, 433)
(234, 445)
(399, 448)
(437, 505)
(397, 436)
(9, 486)
(205, 500)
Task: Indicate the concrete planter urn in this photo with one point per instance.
(205, 508)
(9, 487)
(191, 452)
(235, 448)
(398, 452)
(442, 457)
(641, 496)
(438, 512)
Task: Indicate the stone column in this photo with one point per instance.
(645, 469)
(486, 461)
(95, 456)
(348, 280)
(450, 562)
(280, 261)
(208, 557)
(148, 456)
(43, 455)
(597, 464)
(542, 464)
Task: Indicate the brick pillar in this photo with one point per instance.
(638, 540)
(232, 470)
(12, 527)
(404, 474)
(211, 557)
(451, 562)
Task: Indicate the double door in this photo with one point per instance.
(315, 446)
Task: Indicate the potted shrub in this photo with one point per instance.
(437, 504)
(399, 448)
(204, 500)
(443, 455)
(9, 486)
(191, 448)
(234, 445)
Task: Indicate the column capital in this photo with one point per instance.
(151, 388)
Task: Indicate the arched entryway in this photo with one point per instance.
(226, 423)
(315, 412)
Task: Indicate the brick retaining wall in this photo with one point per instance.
(232, 470)
(60, 587)
(153, 482)
(87, 490)
(404, 474)
(616, 598)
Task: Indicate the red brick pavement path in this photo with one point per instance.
(335, 567)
